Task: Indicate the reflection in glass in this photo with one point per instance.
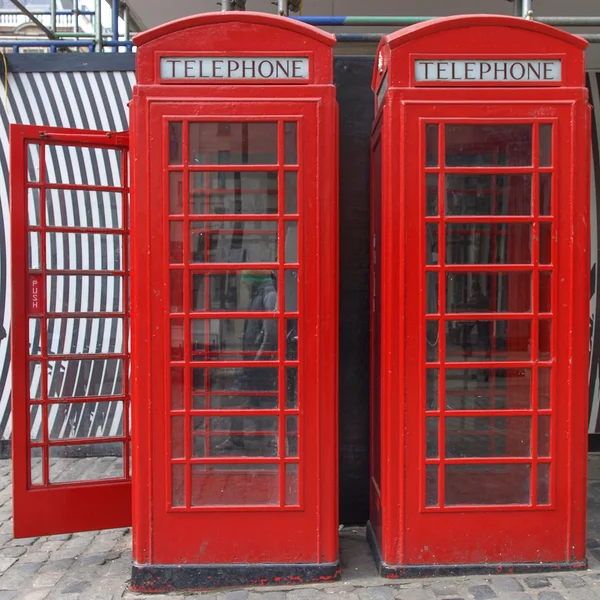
(176, 192)
(175, 140)
(431, 493)
(291, 242)
(176, 339)
(291, 436)
(177, 388)
(545, 235)
(291, 339)
(432, 389)
(290, 138)
(543, 483)
(82, 378)
(431, 441)
(176, 290)
(291, 485)
(233, 192)
(177, 437)
(544, 436)
(233, 143)
(472, 194)
(431, 293)
(488, 145)
(431, 244)
(490, 485)
(36, 430)
(545, 339)
(72, 420)
(544, 381)
(290, 182)
(233, 241)
(488, 243)
(545, 181)
(545, 145)
(480, 340)
(76, 462)
(431, 145)
(176, 242)
(488, 389)
(431, 203)
(545, 291)
(488, 292)
(432, 338)
(291, 396)
(178, 485)
(291, 290)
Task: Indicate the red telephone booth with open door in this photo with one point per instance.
(233, 311)
(480, 265)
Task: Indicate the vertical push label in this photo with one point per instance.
(36, 294)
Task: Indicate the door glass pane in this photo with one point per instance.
(488, 292)
(94, 251)
(432, 389)
(85, 420)
(488, 389)
(33, 250)
(545, 339)
(233, 241)
(33, 162)
(35, 422)
(176, 242)
(87, 159)
(291, 143)
(431, 244)
(235, 485)
(291, 397)
(431, 293)
(176, 290)
(544, 436)
(233, 143)
(291, 291)
(545, 233)
(431, 145)
(488, 145)
(291, 436)
(33, 206)
(290, 181)
(82, 378)
(432, 338)
(35, 380)
(85, 336)
(177, 388)
(431, 204)
(36, 467)
(474, 195)
(545, 181)
(480, 340)
(545, 147)
(86, 462)
(291, 485)
(543, 483)
(291, 242)
(176, 339)
(291, 339)
(544, 379)
(431, 494)
(175, 140)
(84, 293)
(35, 337)
(431, 441)
(233, 192)
(488, 436)
(176, 192)
(178, 485)
(488, 243)
(487, 484)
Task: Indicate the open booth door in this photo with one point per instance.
(70, 323)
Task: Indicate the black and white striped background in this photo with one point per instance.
(98, 100)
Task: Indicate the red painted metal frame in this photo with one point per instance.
(162, 532)
(413, 536)
(51, 508)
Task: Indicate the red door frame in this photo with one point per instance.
(50, 508)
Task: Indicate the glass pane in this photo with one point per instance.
(291, 143)
(86, 462)
(224, 297)
(243, 380)
(87, 160)
(543, 483)
(488, 243)
(247, 399)
(176, 192)
(36, 469)
(33, 206)
(431, 494)
(291, 242)
(35, 422)
(233, 192)
(488, 436)
(176, 243)
(431, 145)
(545, 148)
(234, 339)
(488, 292)
(33, 162)
(488, 145)
(291, 291)
(431, 204)
(432, 337)
(488, 389)
(35, 337)
(178, 485)
(177, 437)
(85, 336)
(487, 484)
(235, 485)
(35, 380)
(83, 378)
(545, 180)
(233, 143)
(472, 194)
(291, 339)
(291, 436)
(431, 244)
(175, 140)
(545, 339)
(84, 293)
(291, 485)
(544, 383)
(545, 291)
(93, 251)
(85, 420)
(291, 398)
(431, 443)
(544, 436)
(290, 181)
(488, 340)
(33, 250)
(177, 388)
(431, 293)
(432, 388)
(177, 339)
(545, 243)
(176, 290)
(233, 241)
(84, 208)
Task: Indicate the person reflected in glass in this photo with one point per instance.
(480, 303)
(259, 343)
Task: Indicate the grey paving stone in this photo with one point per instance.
(237, 595)
(8, 594)
(536, 581)
(76, 587)
(57, 566)
(23, 541)
(29, 567)
(442, 588)
(48, 579)
(376, 593)
(570, 580)
(264, 596)
(415, 594)
(33, 594)
(482, 592)
(12, 551)
(515, 596)
(506, 584)
(6, 563)
(35, 557)
(550, 596)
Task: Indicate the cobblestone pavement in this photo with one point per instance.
(96, 566)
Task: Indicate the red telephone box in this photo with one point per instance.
(233, 311)
(480, 298)
(234, 303)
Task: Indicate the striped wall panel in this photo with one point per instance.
(98, 100)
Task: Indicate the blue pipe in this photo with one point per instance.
(54, 44)
(115, 23)
(322, 21)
